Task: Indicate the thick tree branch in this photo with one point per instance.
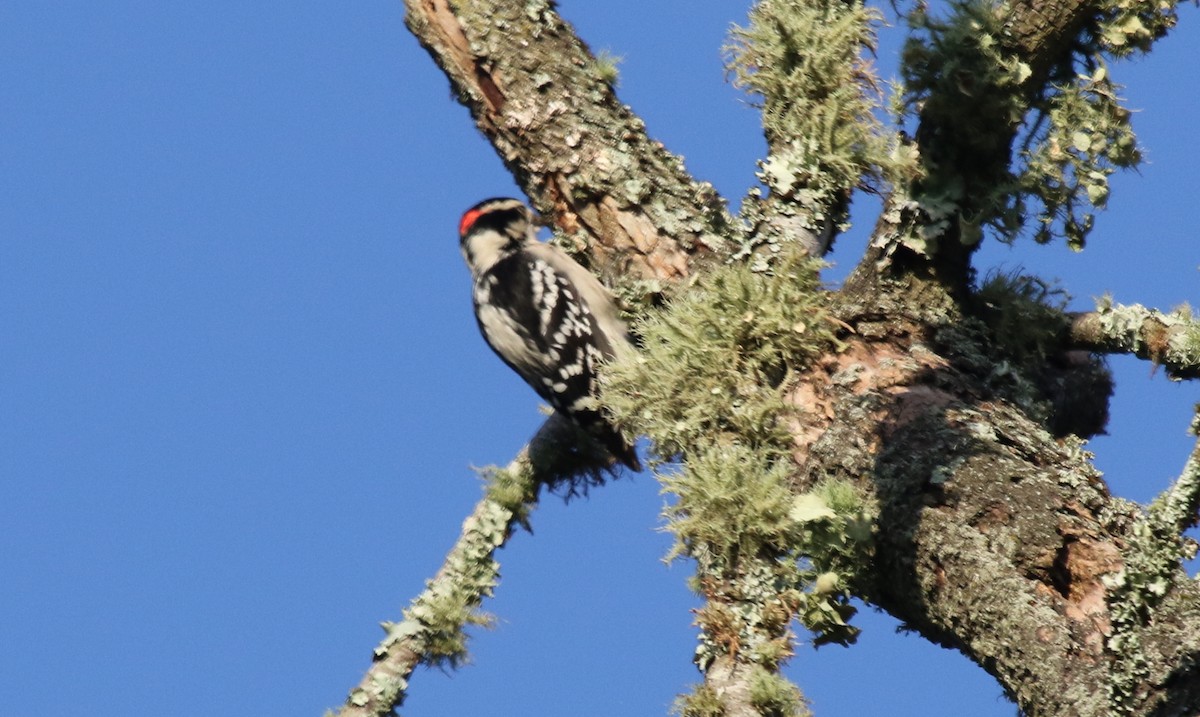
(965, 554)
(995, 539)
(1169, 340)
(583, 158)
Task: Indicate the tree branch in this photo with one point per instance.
(984, 68)
(584, 159)
(965, 554)
(432, 629)
(1176, 508)
(1169, 340)
(803, 60)
(1151, 596)
(431, 632)
(995, 538)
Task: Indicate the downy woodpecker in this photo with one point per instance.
(544, 315)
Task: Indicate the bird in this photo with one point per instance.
(548, 318)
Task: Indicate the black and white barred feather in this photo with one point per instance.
(546, 316)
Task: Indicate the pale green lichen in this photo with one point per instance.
(964, 78)
(1128, 26)
(765, 554)
(1176, 345)
(709, 386)
(774, 696)
(434, 624)
(802, 61)
(702, 701)
(716, 360)
(1152, 566)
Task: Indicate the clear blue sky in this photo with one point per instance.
(242, 387)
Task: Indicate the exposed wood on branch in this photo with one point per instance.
(583, 158)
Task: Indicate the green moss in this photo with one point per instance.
(1017, 341)
(1025, 314)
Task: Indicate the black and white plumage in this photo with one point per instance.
(546, 316)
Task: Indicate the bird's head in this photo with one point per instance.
(492, 229)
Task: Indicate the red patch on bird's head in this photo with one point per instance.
(467, 221)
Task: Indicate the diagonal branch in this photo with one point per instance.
(1146, 595)
(431, 632)
(584, 159)
(1169, 340)
(1176, 509)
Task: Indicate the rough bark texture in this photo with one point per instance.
(1169, 340)
(996, 536)
(967, 554)
(583, 158)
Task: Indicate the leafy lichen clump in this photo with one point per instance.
(967, 87)
(974, 95)
(1087, 137)
(709, 387)
(1129, 26)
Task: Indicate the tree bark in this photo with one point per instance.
(995, 536)
(584, 159)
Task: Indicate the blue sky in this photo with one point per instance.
(242, 386)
